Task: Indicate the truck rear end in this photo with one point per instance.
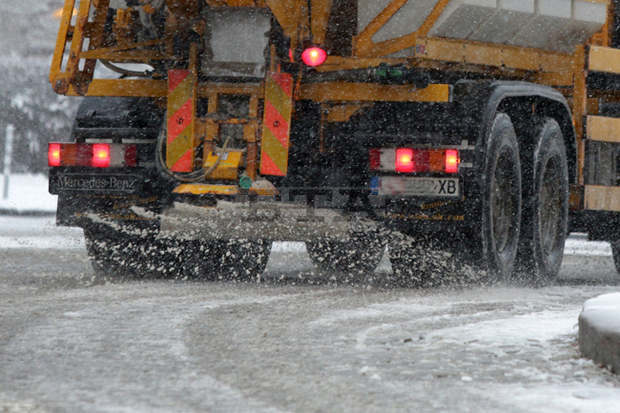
(216, 127)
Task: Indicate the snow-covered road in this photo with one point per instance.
(70, 344)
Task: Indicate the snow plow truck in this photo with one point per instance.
(210, 128)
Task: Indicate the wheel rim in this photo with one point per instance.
(551, 207)
(503, 202)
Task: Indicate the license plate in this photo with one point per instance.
(127, 184)
(408, 186)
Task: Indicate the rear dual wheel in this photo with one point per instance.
(528, 235)
(545, 213)
(497, 238)
(117, 254)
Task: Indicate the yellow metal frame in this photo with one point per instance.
(602, 198)
(236, 3)
(73, 66)
(603, 129)
(206, 189)
(550, 68)
(590, 125)
(66, 75)
(363, 46)
(227, 165)
(604, 59)
(372, 92)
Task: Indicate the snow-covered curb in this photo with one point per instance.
(599, 330)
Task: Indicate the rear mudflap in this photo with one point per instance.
(90, 210)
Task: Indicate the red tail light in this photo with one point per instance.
(410, 160)
(98, 155)
(314, 56)
(101, 155)
(53, 154)
(452, 161)
(405, 162)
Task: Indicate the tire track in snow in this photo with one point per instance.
(129, 355)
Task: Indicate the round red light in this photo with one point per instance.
(53, 154)
(314, 56)
(405, 162)
(452, 161)
(101, 155)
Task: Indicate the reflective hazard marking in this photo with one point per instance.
(180, 121)
(276, 124)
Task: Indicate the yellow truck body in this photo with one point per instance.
(545, 58)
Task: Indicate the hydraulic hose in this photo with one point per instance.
(192, 176)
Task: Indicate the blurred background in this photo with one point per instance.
(27, 38)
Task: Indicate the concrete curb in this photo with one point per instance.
(599, 330)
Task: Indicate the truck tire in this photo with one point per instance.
(111, 255)
(115, 254)
(240, 260)
(545, 206)
(354, 258)
(497, 238)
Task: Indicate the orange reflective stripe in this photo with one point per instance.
(285, 81)
(184, 162)
(276, 124)
(269, 167)
(180, 121)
